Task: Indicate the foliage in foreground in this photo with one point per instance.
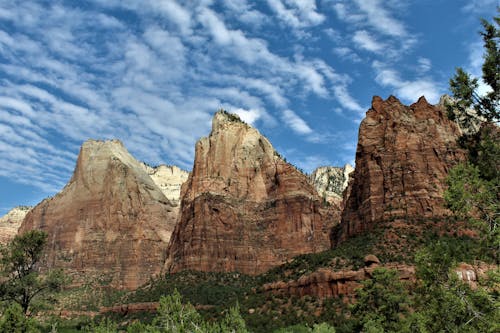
(21, 283)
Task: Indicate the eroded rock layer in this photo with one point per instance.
(327, 283)
(243, 208)
(111, 221)
(402, 159)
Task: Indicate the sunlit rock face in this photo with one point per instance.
(244, 208)
(330, 182)
(403, 156)
(10, 223)
(169, 178)
(111, 221)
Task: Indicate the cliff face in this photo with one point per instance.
(402, 159)
(111, 220)
(243, 208)
(330, 182)
(10, 223)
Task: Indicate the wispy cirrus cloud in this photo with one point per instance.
(70, 73)
(408, 90)
(297, 13)
(296, 123)
(363, 39)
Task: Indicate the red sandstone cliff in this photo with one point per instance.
(243, 208)
(403, 156)
(110, 221)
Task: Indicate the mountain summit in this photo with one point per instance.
(244, 208)
(111, 220)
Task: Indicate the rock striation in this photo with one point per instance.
(402, 159)
(10, 223)
(330, 182)
(111, 221)
(243, 207)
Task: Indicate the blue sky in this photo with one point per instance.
(152, 73)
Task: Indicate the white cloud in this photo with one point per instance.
(380, 19)
(297, 13)
(296, 123)
(245, 12)
(346, 100)
(424, 64)
(73, 73)
(346, 53)
(363, 39)
(248, 116)
(408, 90)
(480, 6)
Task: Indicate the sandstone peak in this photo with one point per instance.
(110, 220)
(422, 101)
(222, 118)
(243, 207)
(402, 159)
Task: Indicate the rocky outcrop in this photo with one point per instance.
(330, 182)
(327, 283)
(243, 208)
(110, 221)
(169, 178)
(403, 156)
(10, 223)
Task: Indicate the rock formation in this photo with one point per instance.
(110, 221)
(403, 156)
(169, 178)
(330, 182)
(326, 283)
(10, 223)
(243, 208)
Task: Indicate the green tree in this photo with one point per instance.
(464, 87)
(474, 188)
(381, 303)
(13, 320)
(176, 317)
(475, 199)
(106, 325)
(233, 322)
(301, 328)
(22, 283)
(443, 303)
